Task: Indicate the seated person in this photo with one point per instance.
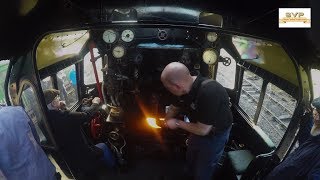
(66, 127)
(304, 162)
(305, 125)
(21, 156)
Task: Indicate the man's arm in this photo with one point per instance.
(198, 128)
(78, 117)
(93, 108)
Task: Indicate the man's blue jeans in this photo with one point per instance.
(204, 153)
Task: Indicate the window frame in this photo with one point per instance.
(23, 84)
(261, 99)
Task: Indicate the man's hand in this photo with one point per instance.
(172, 123)
(96, 100)
(86, 101)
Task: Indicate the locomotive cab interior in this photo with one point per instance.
(121, 61)
(129, 61)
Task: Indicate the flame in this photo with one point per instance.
(152, 122)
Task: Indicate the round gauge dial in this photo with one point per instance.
(162, 35)
(209, 56)
(118, 51)
(109, 36)
(127, 35)
(212, 36)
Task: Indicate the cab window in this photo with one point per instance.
(226, 74)
(67, 84)
(47, 83)
(88, 76)
(32, 106)
(276, 112)
(250, 92)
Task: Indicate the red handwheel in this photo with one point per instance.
(96, 127)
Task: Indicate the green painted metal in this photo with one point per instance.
(267, 55)
(3, 72)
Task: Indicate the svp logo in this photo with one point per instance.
(294, 17)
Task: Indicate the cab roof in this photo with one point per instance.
(26, 21)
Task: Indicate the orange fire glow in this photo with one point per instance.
(152, 122)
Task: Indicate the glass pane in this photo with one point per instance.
(315, 75)
(89, 77)
(32, 107)
(67, 84)
(3, 72)
(277, 110)
(47, 83)
(226, 74)
(250, 92)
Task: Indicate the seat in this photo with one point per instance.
(240, 160)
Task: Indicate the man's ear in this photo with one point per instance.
(177, 86)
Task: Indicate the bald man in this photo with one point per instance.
(206, 103)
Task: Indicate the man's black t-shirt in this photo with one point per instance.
(207, 103)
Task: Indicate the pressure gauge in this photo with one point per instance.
(127, 35)
(212, 36)
(109, 36)
(209, 56)
(118, 51)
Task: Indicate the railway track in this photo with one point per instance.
(283, 125)
(256, 88)
(271, 110)
(253, 92)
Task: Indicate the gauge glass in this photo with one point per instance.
(109, 36)
(209, 56)
(118, 52)
(127, 35)
(212, 36)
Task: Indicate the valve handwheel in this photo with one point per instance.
(96, 126)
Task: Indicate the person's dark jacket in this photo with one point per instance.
(80, 156)
(303, 163)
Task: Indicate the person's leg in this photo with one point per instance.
(209, 155)
(190, 157)
(108, 157)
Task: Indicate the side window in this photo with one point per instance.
(276, 112)
(32, 106)
(3, 71)
(89, 77)
(47, 83)
(315, 75)
(67, 84)
(250, 92)
(226, 74)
